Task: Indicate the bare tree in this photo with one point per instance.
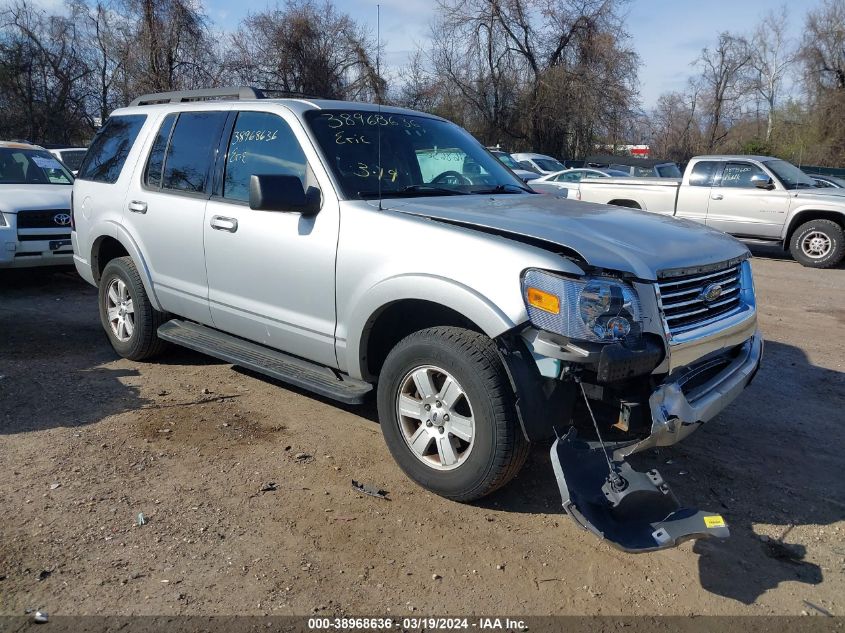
(823, 50)
(722, 84)
(554, 75)
(676, 125)
(771, 55)
(823, 54)
(173, 48)
(43, 78)
(306, 47)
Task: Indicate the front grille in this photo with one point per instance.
(43, 219)
(683, 303)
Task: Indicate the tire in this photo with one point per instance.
(496, 449)
(818, 244)
(140, 341)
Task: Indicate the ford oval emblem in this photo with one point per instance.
(62, 219)
(711, 293)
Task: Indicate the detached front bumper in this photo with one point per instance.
(681, 405)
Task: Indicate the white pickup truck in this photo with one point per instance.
(755, 198)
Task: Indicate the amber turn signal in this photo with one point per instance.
(543, 300)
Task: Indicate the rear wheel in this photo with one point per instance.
(126, 314)
(447, 413)
(818, 244)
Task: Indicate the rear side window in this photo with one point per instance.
(155, 163)
(703, 173)
(109, 149)
(188, 159)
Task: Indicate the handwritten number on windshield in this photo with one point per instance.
(347, 119)
(364, 171)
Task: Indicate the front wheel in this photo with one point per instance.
(447, 413)
(130, 321)
(818, 244)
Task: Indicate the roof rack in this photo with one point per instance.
(208, 94)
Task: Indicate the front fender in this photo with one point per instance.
(487, 315)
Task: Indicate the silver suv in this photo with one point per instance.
(342, 247)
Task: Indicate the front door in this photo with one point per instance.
(271, 274)
(739, 207)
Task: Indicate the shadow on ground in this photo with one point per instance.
(52, 355)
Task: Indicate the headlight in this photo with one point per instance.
(598, 309)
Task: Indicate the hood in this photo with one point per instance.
(525, 174)
(828, 194)
(613, 238)
(14, 198)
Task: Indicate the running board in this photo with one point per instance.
(264, 360)
(636, 512)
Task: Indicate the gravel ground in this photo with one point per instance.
(245, 487)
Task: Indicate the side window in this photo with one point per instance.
(741, 175)
(188, 158)
(109, 149)
(643, 172)
(261, 143)
(155, 163)
(571, 177)
(703, 173)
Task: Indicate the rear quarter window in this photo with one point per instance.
(703, 174)
(105, 158)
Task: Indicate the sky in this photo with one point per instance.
(667, 34)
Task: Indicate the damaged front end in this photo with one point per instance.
(615, 389)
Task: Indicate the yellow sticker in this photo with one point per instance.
(714, 521)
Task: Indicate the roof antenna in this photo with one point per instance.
(378, 98)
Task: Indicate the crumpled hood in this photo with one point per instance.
(613, 238)
(14, 198)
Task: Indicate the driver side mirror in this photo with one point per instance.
(281, 192)
(764, 182)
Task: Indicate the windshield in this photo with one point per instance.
(790, 176)
(507, 159)
(549, 164)
(73, 157)
(420, 156)
(19, 166)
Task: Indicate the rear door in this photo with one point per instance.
(165, 209)
(737, 206)
(694, 195)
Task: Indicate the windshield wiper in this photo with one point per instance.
(413, 190)
(507, 188)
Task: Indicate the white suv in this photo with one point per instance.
(35, 192)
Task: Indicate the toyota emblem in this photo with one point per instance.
(62, 219)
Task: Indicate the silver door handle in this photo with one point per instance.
(138, 206)
(716, 196)
(222, 223)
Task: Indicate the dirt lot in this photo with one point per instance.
(90, 440)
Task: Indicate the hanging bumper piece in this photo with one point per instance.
(634, 511)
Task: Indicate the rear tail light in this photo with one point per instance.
(577, 197)
(72, 221)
